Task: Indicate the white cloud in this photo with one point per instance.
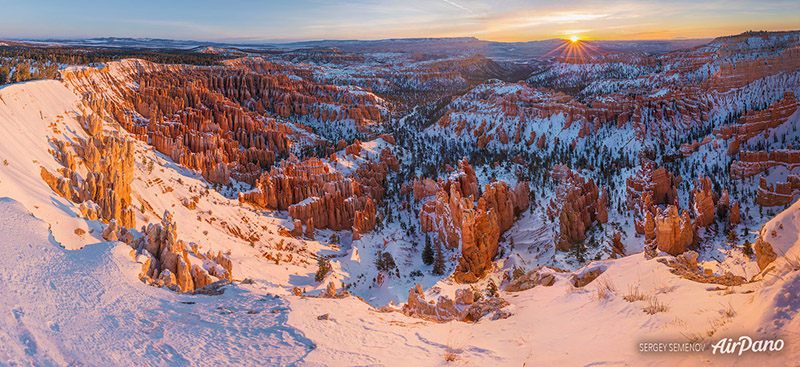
(457, 6)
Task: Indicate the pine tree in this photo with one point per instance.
(491, 288)
(427, 252)
(438, 261)
(385, 262)
(747, 249)
(22, 73)
(5, 72)
(324, 268)
(732, 237)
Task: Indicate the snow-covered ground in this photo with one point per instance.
(85, 307)
(30, 114)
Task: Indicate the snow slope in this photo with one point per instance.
(34, 112)
(783, 232)
(562, 325)
(87, 307)
(30, 114)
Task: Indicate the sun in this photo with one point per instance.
(574, 39)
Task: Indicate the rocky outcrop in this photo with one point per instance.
(364, 219)
(531, 279)
(753, 163)
(733, 215)
(587, 275)
(330, 292)
(444, 215)
(168, 262)
(703, 202)
(602, 207)
(443, 310)
(756, 123)
(310, 228)
(110, 232)
(104, 193)
(656, 181)
(649, 227)
(779, 193)
(336, 212)
(473, 229)
(617, 247)
(465, 180)
(221, 120)
(646, 188)
(479, 236)
(425, 187)
(674, 233)
(724, 201)
(388, 138)
(311, 190)
(493, 216)
(486, 306)
(297, 229)
(578, 204)
(390, 159)
(685, 265)
(688, 149)
(294, 181)
(302, 97)
(354, 149)
(765, 255)
(464, 308)
(774, 194)
(503, 201)
(768, 60)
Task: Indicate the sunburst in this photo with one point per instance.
(574, 50)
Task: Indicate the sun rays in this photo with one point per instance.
(574, 50)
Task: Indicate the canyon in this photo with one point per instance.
(345, 194)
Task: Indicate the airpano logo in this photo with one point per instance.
(730, 346)
(746, 344)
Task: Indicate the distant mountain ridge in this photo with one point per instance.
(510, 51)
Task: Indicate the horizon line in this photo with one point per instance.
(264, 42)
(286, 42)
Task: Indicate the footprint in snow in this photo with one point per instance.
(18, 313)
(28, 343)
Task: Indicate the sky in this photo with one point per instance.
(301, 20)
